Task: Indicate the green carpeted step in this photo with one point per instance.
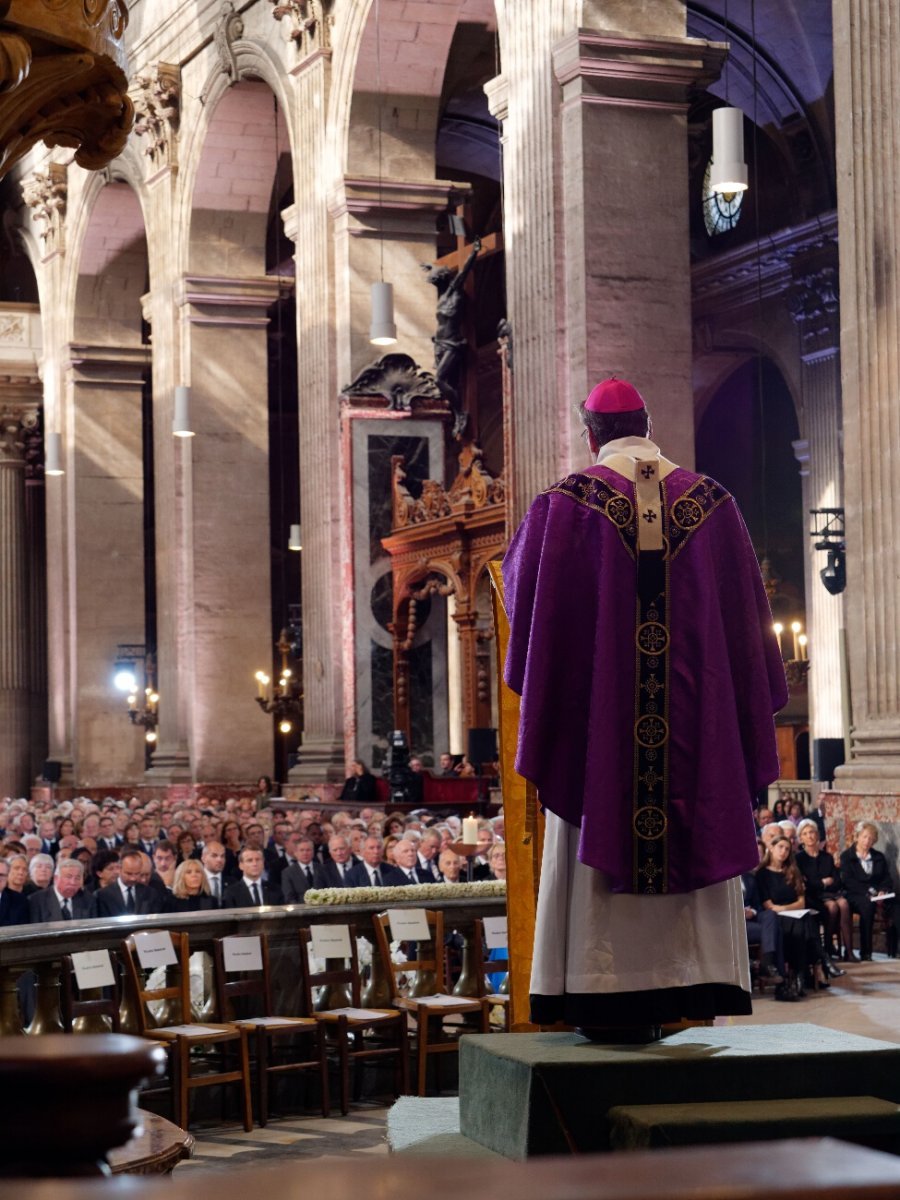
(865, 1120)
(523, 1094)
(430, 1125)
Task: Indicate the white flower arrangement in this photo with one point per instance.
(414, 891)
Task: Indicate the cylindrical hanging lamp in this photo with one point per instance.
(181, 421)
(383, 331)
(729, 171)
(53, 455)
(294, 542)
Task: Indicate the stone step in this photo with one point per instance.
(865, 1120)
(524, 1094)
(426, 1125)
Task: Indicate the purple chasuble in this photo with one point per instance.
(648, 680)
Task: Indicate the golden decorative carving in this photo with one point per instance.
(473, 488)
(62, 79)
(157, 104)
(46, 193)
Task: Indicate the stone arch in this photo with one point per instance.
(110, 266)
(257, 67)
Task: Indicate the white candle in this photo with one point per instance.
(779, 629)
(795, 630)
(804, 641)
(470, 831)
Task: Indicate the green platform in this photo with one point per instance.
(550, 1093)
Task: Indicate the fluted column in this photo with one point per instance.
(15, 754)
(867, 65)
(814, 306)
(321, 754)
(36, 534)
(589, 117)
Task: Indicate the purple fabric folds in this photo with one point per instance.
(571, 594)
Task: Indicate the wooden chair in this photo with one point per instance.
(186, 1036)
(490, 966)
(267, 1028)
(358, 1034)
(86, 1008)
(433, 1037)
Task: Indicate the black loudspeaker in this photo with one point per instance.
(52, 771)
(828, 754)
(482, 746)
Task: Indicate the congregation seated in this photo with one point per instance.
(781, 891)
(130, 853)
(65, 899)
(865, 878)
(822, 883)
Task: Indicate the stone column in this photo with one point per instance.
(866, 65)
(813, 303)
(36, 533)
(105, 538)
(226, 629)
(15, 650)
(627, 301)
(589, 120)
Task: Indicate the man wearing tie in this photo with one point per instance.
(66, 899)
(251, 891)
(368, 873)
(107, 839)
(213, 860)
(406, 871)
(297, 879)
(126, 895)
(335, 870)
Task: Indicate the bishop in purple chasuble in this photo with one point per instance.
(649, 675)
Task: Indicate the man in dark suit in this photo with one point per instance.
(108, 839)
(65, 899)
(278, 854)
(14, 908)
(127, 895)
(251, 891)
(335, 871)
(300, 875)
(370, 872)
(407, 870)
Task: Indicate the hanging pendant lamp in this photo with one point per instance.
(181, 421)
(729, 171)
(382, 331)
(53, 455)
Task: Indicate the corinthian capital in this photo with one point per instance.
(17, 423)
(307, 23)
(46, 192)
(156, 94)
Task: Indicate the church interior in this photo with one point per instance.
(298, 302)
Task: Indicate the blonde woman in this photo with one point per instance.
(190, 890)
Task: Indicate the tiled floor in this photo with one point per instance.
(866, 1000)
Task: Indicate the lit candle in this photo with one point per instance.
(795, 630)
(259, 683)
(779, 630)
(804, 641)
(470, 831)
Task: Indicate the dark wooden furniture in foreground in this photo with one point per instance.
(359, 1033)
(65, 1102)
(429, 1002)
(270, 1030)
(156, 1149)
(820, 1168)
(186, 1036)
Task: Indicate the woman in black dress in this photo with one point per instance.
(822, 883)
(359, 786)
(190, 891)
(781, 891)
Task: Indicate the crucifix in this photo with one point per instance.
(455, 345)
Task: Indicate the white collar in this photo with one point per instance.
(631, 447)
(253, 882)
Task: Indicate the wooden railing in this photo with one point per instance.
(40, 948)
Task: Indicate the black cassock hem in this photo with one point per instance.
(661, 1006)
